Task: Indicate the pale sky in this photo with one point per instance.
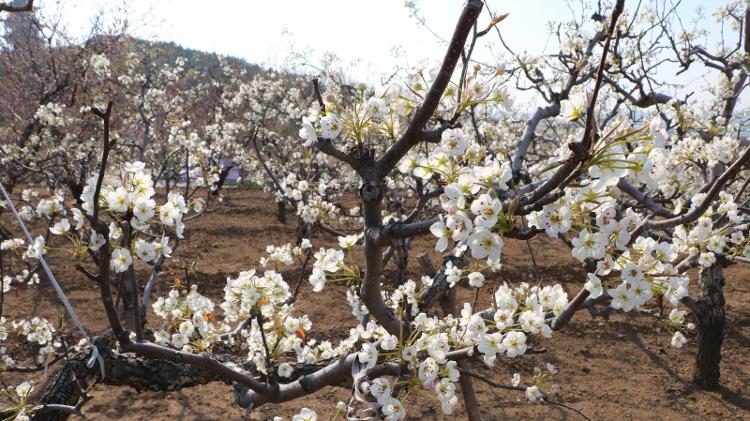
(366, 30)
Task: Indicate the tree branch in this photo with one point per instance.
(413, 133)
(8, 7)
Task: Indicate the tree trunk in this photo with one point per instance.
(281, 211)
(710, 327)
(62, 387)
(471, 405)
(142, 374)
(121, 370)
(303, 230)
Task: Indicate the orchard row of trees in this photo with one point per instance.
(642, 180)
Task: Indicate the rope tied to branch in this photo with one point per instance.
(95, 356)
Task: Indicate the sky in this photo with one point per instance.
(362, 33)
(262, 31)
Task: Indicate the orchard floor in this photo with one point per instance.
(623, 369)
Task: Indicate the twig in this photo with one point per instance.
(491, 382)
(297, 287)
(104, 115)
(567, 407)
(259, 318)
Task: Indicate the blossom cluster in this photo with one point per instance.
(189, 323)
(37, 332)
(500, 330)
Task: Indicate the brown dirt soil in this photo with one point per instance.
(623, 369)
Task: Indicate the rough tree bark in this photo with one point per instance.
(121, 370)
(711, 322)
(144, 374)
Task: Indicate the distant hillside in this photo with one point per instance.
(200, 61)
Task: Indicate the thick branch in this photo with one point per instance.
(414, 132)
(643, 199)
(334, 373)
(726, 177)
(8, 7)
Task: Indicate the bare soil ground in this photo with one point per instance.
(621, 369)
